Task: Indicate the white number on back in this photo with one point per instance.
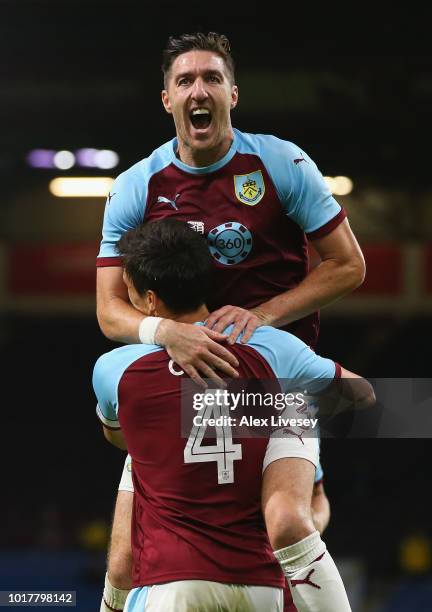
(224, 452)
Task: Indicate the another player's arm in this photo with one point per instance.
(115, 437)
(341, 270)
(118, 319)
(356, 389)
(195, 349)
(308, 202)
(348, 391)
(320, 507)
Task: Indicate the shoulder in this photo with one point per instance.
(290, 357)
(278, 347)
(276, 338)
(262, 144)
(138, 174)
(124, 356)
(281, 159)
(110, 367)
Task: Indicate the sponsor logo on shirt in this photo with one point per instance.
(230, 243)
(163, 200)
(198, 226)
(249, 188)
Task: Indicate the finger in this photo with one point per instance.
(216, 336)
(221, 364)
(227, 313)
(193, 374)
(249, 330)
(210, 374)
(214, 316)
(237, 330)
(227, 319)
(220, 351)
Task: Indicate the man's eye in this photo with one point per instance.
(183, 81)
(214, 79)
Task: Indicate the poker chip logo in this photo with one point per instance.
(230, 243)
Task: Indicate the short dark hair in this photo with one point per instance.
(212, 41)
(171, 259)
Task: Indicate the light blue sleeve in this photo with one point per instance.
(301, 188)
(290, 358)
(124, 209)
(126, 204)
(107, 373)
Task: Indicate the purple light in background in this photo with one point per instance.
(106, 159)
(86, 157)
(41, 158)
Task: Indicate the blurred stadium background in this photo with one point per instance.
(355, 91)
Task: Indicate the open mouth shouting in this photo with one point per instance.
(200, 118)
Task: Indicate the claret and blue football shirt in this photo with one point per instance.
(256, 206)
(187, 524)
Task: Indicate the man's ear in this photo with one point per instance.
(234, 96)
(156, 305)
(151, 302)
(166, 101)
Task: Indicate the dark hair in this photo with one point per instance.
(171, 259)
(212, 41)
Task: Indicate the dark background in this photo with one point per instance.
(353, 87)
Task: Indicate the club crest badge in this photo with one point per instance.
(249, 188)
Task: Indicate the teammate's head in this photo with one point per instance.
(167, 267)
(199, 91)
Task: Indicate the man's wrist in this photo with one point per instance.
(162, 332)
(147, 330)
(265, 317)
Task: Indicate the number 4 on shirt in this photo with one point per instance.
(224, 452)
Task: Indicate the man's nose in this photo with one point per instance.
(199, 90)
